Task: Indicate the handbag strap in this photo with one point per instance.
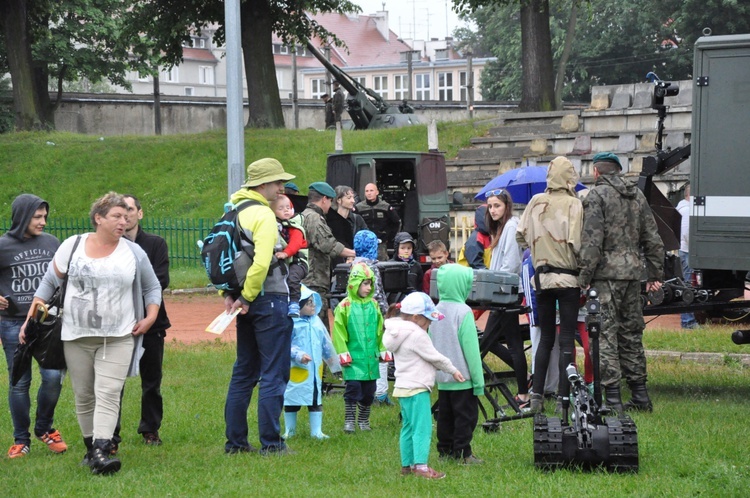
(65, 280)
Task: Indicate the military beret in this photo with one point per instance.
(607, 157)
(323, 189)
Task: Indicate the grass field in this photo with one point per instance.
(182, 176)
(695, 443)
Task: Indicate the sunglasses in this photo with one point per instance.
(495, 193)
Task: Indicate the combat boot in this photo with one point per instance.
(89, 443)
(101, 462)
(613, 399)
(536, 403)
(639, 400)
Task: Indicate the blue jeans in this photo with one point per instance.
(18, 395)
(264, 342)
(687, 320)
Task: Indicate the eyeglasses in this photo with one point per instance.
(494, 193)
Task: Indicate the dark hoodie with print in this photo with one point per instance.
(23, 259)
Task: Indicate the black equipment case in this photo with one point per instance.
(488, 288)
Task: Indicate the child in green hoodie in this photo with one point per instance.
(358, 339)
(456, 338)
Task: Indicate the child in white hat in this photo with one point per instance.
(416, 361)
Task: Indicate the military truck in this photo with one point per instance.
(720, 188)
(414, 183)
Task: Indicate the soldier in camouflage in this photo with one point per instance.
(551, 227)
(321, 244)
(617, 225)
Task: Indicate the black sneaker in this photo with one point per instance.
(151, 438)
(234, 450)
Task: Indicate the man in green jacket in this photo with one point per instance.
(321, 244)
(264, 331)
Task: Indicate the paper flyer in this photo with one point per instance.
(221, 322)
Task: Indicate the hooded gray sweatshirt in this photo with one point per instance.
(23, 259)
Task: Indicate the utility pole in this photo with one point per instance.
(157, 105)
(470, 84)
(235, 104)
(295, 107)
(410, 73)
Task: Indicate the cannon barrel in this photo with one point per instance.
(340, 76)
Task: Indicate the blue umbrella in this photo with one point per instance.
(521, 183)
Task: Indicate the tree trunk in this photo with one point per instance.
(536, 46)
(562, 64)
(29, 110)
(260, 70)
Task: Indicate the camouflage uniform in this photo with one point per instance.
(617, 224)
(322, 246)
(382, 219)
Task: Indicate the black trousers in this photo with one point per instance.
(297, 273)
(458, 414)
(360, 391)
(152, 405)
(514, 355)
(548, 302)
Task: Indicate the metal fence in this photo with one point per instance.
(181, 234)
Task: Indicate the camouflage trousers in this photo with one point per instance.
(621, 342)
(323, 292)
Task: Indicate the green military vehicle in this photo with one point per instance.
(414, 183)
(719, 238)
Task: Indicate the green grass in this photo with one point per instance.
(182, 176)
(707, 339)
(695, 443)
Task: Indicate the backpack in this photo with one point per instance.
(227, 253)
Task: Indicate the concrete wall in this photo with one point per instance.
(107, 115)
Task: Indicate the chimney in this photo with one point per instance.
(381, 22)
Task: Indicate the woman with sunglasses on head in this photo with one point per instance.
(506, 257)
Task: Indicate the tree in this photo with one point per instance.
(537, 93)
(49, 42)
(172, 21)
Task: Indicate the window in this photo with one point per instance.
(422, 87)
(171, 76)
(280, 79)
(400, 86)
(199, 42)
(380, 85)
(462, 82)
(318, 88)
(445, 86)
(189, 91)
(206, 75)
(284, 50)
(301, 51)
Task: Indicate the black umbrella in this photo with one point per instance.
(22, 359)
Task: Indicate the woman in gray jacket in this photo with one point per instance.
(112, 298)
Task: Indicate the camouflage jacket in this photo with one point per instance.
(617, 224)
(321, 246)
(380, 218)
(551, 226)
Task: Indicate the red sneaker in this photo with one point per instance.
(54, 441)
(18, 450)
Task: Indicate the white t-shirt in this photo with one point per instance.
(99, 296)
(683, 207)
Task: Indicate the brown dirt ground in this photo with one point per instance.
(190, 314)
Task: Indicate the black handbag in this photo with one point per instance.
(43, 332)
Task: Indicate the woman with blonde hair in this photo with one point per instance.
(112, 298)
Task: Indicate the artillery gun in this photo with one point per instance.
(367, 109)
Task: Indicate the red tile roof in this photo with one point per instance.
(198, 54)
(365, 45)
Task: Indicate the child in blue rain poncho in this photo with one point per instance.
(311, 346)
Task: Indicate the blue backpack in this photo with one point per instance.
(227, 253)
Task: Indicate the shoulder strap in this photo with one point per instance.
(65, 281)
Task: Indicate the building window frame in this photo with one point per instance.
(400, 86)
(422, 86)
(380, 85)
(445, 86)
(206, 75)
(317, 87)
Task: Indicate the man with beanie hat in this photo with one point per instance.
(322, 245)
(25, 253)
(617, 225)
(264, 330)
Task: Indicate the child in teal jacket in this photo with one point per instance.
(456, 338)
